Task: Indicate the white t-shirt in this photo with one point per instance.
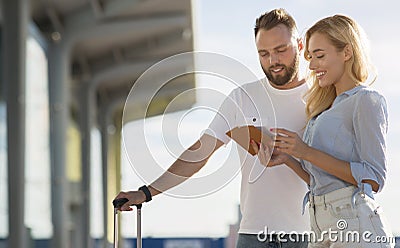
(271, 198)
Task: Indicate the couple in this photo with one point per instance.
(341, 157)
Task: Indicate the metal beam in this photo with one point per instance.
(106, 10)
(148, 26)
(114, 8)
(97, 8)
(15, 28)
(159, 82)
(121, 71)
(118, 55)
(98, 12)
(164, 45)
(73, 37)
(55, 19)
(84, 64)
(157, 44)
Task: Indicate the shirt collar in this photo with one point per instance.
(354, 90)
(348, 93)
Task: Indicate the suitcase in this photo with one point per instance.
(117, 204)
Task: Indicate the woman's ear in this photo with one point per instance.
(348, 52)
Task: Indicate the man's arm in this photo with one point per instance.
(190, 162)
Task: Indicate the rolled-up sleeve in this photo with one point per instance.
(224, 119)
(370, 121)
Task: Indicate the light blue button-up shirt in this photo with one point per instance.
(354, 130)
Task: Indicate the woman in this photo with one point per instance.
(342, 155)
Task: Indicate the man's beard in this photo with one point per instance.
(290, 72)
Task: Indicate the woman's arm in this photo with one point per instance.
(295, 165)
(290, 143)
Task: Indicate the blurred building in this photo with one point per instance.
(67, 68)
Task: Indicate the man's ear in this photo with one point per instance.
(348, 52)
(300, 44)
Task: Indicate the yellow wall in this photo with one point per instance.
(73, 153)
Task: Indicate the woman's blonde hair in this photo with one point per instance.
(340, 31)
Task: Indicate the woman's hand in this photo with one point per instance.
(286, 145)
(266, 156)
(290, 143)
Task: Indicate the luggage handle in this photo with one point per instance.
(117, 204)
(121, 201)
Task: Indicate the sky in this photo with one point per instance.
(223, 27)
(226, 27)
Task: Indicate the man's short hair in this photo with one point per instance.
(273, 18)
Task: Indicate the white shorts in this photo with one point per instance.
(337, 222)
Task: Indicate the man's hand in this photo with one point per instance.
(134, 198)
(278, 158)
(266, 157)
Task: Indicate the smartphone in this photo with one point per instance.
(243, 134)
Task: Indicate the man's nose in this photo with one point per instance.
(273, 58)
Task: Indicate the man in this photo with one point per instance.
(270, 200)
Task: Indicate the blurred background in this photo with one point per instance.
(67, 68)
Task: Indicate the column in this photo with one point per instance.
(15, 29)
(59, 119)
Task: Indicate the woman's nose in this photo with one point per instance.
(312, 65)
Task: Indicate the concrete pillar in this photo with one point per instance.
(104, 160)
(115, 164)
(111, 159)
(59, 118)
(86, 120)
(15, 28)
